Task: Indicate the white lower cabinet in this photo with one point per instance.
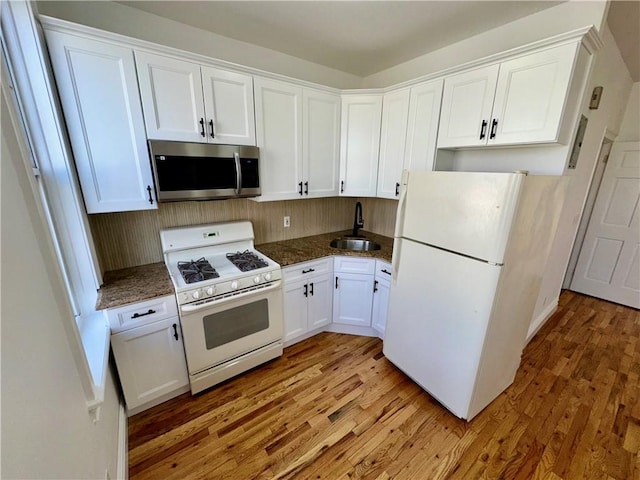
(150, 357)
(353, 291)
(307, 298)
(381, 289)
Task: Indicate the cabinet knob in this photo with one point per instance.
(202, 127)
(311, 289)
(397, 189)
(483, 130)
(175, 332)
(342, 186)
(494, 127)
(306, 188)
(300, 188)
(213, 135)
(149, 192)
(375, 286)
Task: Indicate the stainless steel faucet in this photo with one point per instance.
(358, 222)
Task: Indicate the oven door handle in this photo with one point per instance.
(213, 303)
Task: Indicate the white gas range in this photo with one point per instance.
(229, 297)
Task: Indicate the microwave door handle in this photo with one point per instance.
(236, 157)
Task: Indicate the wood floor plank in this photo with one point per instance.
(333, 407)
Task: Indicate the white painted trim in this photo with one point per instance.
(588, 35)
(122, 472)
(157, 401)
(538, 322)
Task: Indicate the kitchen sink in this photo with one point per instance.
(359, 244)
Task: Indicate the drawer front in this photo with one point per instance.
(383, 270)
(141, 313)
(301, 271)
(354, 265)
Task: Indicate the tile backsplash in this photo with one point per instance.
(127, 239)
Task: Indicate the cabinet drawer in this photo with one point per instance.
(354, 265)
(305, 270)
(141, 313)
(383, 269)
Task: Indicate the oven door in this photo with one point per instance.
(220, 331)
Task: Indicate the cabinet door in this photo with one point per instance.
(359, 144)
(466, 107)
(279, 136)
(295, 309)
(395, 111)
(380, 305)
(320, 302)
(228, 102)
(530, 96)
(150, 361)
(352, 299)
(422, 127)
(99, 95)
(171, 92)
(321, 143)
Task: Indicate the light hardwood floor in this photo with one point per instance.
(333, 407)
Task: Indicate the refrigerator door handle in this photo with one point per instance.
(401, 204)
(395, 260)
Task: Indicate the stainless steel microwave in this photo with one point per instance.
(202, 171)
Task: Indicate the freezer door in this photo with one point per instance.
(465, 212)
(439, 308)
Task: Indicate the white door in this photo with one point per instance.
(279, 136)
(609, 262)
(393, 136)
(150, 361)
(466, 107)
(171, 92)
(321, 143)
(422, 127)
(360, 144)
(99, 95)
(320, 303)
(228, 101)
(352, 299)
(530, 97)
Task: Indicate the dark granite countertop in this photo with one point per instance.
(134, 284)
(288, 252)
(143, 282)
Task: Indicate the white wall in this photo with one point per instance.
(611, 73)
(46, 428)
(630, 127)
(131, 22)
(552, 21)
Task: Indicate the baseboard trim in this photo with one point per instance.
(123, 445)
(541, 319)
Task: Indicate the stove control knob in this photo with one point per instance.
(267, 276)
(196, 294)
(256, 279)
(210, 291)
(234, 285)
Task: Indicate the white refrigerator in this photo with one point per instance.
(468, 258)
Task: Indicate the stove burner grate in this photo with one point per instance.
(246, 261)
(197, 270)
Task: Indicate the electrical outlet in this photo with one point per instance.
(287, 221)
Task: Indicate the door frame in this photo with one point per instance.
(592, 195)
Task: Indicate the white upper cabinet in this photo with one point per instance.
(360, 144)
(466, 107)
(279, 137)
(519, 101)
(228, 104)
(184, 101)
(393, 136)
(320, 143)
(298, 132)
(409, 131)
(99, 94)
(422, 127)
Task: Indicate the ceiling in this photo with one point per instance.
(365, 37)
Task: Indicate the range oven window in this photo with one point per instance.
(230, 325)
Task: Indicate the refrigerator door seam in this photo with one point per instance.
(454, 252)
